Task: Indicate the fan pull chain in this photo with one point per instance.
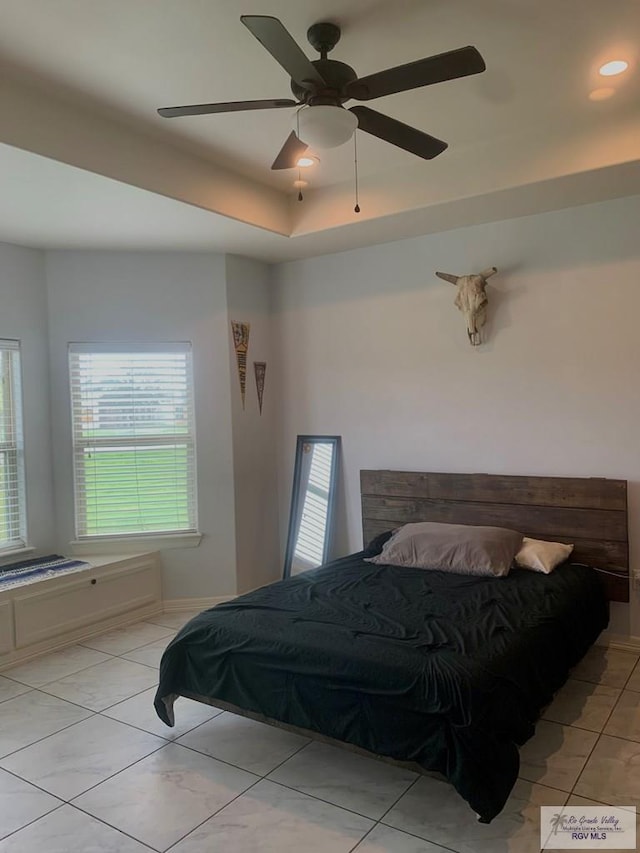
(300, 196)
(356, 209)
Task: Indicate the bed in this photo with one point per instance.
(445, 673)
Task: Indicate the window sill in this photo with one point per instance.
(132, 544)
(9, 556)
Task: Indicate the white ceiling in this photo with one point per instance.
(86, 161)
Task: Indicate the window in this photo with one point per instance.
(133, 439)
(13, 522)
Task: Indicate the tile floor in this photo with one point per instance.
(85, 765)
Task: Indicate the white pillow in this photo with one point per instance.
(541, 556)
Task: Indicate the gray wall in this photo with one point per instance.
(365, 344)
(370, 346)
(23, 316)
(254, 434)
(140, 296)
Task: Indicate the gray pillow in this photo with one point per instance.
(460, 548)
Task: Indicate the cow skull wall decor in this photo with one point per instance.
(471, 299)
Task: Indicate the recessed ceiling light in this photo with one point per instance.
(616, 66)
(602, 94)
(307, 161)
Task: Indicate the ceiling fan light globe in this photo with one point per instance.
(324, 126)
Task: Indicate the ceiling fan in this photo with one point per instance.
(323, 85)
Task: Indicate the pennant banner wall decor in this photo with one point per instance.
(241, 345)
(260, 368)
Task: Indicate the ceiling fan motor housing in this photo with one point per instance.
(323, 37)
(336, 74)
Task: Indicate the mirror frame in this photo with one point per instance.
(296, 502)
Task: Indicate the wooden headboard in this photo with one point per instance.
(590, 513)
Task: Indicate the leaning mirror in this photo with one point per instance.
(312, 500)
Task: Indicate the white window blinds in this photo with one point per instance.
(133, 439)
(13, 524)
(313, 521)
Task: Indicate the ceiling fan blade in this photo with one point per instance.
(290, 152)
(272, 34)
(397, 133)
(434, 69)
(230, 107)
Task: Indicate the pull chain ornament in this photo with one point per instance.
(356, 209)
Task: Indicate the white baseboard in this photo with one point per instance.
(622, 643)
(176, 605)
